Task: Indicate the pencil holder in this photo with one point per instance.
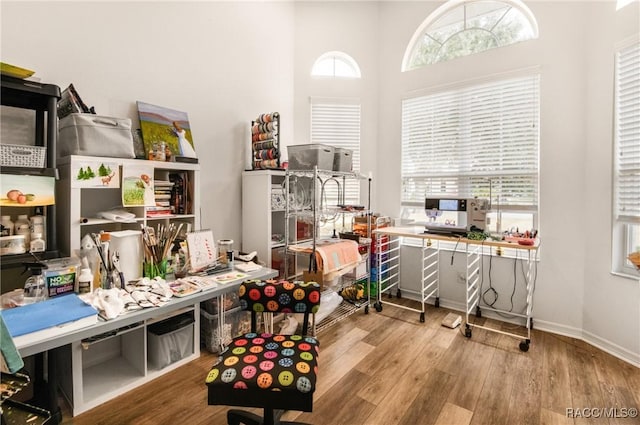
(152, 269)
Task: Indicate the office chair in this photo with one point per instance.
(271, 371)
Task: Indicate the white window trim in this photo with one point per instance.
(450, 5)
(332, 55)
(620, 225)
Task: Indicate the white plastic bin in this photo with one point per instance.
(305, 157)
(342, 159)
(170, 340)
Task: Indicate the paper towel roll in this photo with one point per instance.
(129, 244)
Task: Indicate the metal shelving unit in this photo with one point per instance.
(314, 210)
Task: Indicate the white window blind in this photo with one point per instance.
(472, 141)
(336, 122)
(627, 134)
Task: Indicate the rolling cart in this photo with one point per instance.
(388, 246)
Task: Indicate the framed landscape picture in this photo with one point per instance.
(160, 124)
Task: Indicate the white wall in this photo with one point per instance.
(350, 27)
(611, 303)
(567, 288)
(221, 62)
(225, 62)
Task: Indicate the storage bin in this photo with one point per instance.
(305, 157)
(22, 156)
(342, 159)
(170, 340)
(95, 135)
(236, 322)
(231, 300)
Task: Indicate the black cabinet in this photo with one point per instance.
(43, 100)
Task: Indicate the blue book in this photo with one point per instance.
(54, 312)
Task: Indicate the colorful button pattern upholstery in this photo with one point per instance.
(280, 296)
(269, 361)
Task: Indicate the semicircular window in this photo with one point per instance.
(461, 28)
(335, 64)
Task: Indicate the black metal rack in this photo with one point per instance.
(43, 99)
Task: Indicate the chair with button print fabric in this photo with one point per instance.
(270, 371)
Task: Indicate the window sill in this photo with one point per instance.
(627, 275)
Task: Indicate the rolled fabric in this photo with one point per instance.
(268, 117)
(267, 144)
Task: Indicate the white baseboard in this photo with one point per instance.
(555, 328)
(613, 349)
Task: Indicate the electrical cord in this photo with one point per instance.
(490, 288)
(455, 248)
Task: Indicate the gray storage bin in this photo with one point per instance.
(95, 135)
(305, 157)
(170, 340)
(342, 159)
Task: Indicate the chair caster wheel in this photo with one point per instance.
(524, 346)
(378, 307)
(421, 317)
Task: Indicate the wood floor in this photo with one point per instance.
(388, 368)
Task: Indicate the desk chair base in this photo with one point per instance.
(271, 417)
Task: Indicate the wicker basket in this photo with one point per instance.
(22, 156)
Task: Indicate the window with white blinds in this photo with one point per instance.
(336, 122)
(627, 135)
(474, 141)
(626, 206)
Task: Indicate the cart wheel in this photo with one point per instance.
(398, 294)
(421, 317)
(437, 303)
(467, 331)
(524, 346)
(378, 307)
(390, 294)
(366, 310)
(478, 312)
(530, 323)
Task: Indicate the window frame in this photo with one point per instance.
(334, 56)
(624, 227)
(352, 192)
(450, 6)
(532, 209)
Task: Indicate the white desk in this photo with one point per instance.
(388, 247)
(68, 369)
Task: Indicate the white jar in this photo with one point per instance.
(23, 227)
(7, 225)
(37, 227)
(37, 243)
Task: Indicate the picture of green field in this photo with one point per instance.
(154, 133)
(132, 191)
(156, 123)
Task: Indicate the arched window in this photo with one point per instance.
(464, 27)
(335, 64)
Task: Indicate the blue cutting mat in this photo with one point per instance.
(46, 314)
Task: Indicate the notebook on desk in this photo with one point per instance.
(48, 318)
